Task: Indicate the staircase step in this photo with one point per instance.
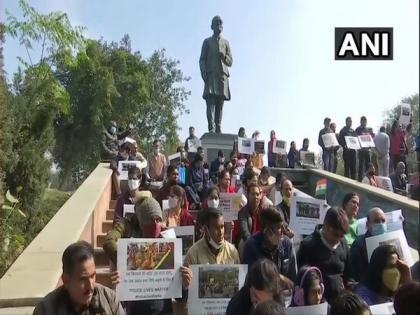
(112, 204)
(100, 239)
(107, 226)
(101, 259)
(103, 276)
(110, 214)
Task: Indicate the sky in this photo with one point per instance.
(284, 76)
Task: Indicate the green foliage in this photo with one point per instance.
(394, 113)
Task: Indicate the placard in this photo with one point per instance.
(128, 209)
(280, 147)
(213, 286)
(384, 183)
(129, 140)
(396, 238)
(308, 310)
(306, 214)
(124, 166)
(394, 222)
(382, 309)
(330, 140)
(193, 145)
(149, 268)
(366, 141)
(259, 147)
(230, 204)
(405, 114)
(352, 143)
(175, 159)
(307, 157)
(245, 146)
(186, 233)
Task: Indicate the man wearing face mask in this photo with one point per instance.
(146, 223)
(386, 272)
(273, 244)
(327, 249)
(217, 166)
(376, 225)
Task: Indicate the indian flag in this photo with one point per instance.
(321, 187)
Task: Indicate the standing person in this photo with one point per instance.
(382, 145)
(349, 155)
(192, 140)
(273, 157)
(370, 177)
(157, 163)
(399, 148)
(215, 59)
(351, 207)
(257, 158)
(305, 147)
(327, 249)
(292, 156)
(327, 153)
(364, 154)
(333, 127)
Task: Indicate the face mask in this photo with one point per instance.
(221, 159)
(133, 184)
(379, 228)
(213, 203)
(391, 278)
(172, 202)
(152, 230)
(211, 241)
(113, 130)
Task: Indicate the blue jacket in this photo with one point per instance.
(283, 256)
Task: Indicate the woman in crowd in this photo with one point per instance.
(224, 182)
(292, 156)
(310, 288)
(349, 304)
(351, 207)
(385, 274)
(370, 177)
(262, 284)
(178, 213)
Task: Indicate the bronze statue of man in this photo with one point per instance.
(214, 62)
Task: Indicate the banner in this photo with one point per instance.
(124, 166)
(280, 147)
(366, 141)
(394, 222)
(149, 268)
(213, 286)
(306, 214)
(230, 204)
(352, 143)
(330, 140)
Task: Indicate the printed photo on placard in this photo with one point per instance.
(280, 147)
(124, 166)
(259, 147)
(175, 159)
(193, 145)
(307, 157)
(245, 146)
(150, 256)
(366, 141)
(352, 143)
(186, 233)
(330, 140)
(306, 214)
(405, 114)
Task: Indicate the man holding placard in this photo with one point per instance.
(325, 142)
(349, 155)
(364, 153)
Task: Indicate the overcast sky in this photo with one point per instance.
(284, 76)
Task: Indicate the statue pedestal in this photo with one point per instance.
(213, 142)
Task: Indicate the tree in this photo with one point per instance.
(394, 113)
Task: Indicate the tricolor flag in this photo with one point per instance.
(321, 187)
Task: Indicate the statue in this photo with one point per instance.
(214, 62)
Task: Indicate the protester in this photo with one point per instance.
(172, 179)
(262, 284)
(286, 192)
(269, 308)
(406, 300)
(249, 215)
(399, 179)
(327, 153)
(271, 156)
(349, 303)
(197, 182)
(349, 155)
(364, 153)
(305, 148)
(217, 166)
(333, 127)
(310, 288)
(270, 243)
(327, 250)
(129, 197)
(292, 156)
(382, 145)
(157, 163)
(194, 141)
(257, 158)
(265, 180)
(399, 149)
(370, 178)
(124, 154)
(146, 223)
(376, 225)
(79, 293)
(385, 274)
(224, 183)
(241, 134)
(351, 207)
(178, 213)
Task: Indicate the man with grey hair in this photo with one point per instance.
(376, 225)
(215, 59)
(399, 179)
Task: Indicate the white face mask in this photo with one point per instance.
(172, 202)
(133, 184)
(211, 241)
(213, 203)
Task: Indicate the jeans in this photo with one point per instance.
(328, 160)
(214, 112)
(383, 166)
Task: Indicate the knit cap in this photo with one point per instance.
(147, 209)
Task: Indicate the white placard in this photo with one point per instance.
(174, 159)
(366, 141)
(169, 233)
(329, 140)
(405, 114)
(193, 145)
(307, 157)
(124, 166)
(394, 222)
(129, 140)
(213, 286)
(280, 147)
(186, 233)
(230, 204)
(384, 183)
(128, 209)
(245, 146)
(396, 238)
(352, 143)
(308, 310)
(306, 214)
(382, 309)
(149, 268)
(165, 204)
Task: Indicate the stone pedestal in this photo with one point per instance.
(213, 142)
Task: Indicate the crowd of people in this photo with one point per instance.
(330, 265)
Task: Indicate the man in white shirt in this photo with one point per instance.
(382, 150)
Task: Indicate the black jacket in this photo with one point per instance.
(359, 257)
(334, 264)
